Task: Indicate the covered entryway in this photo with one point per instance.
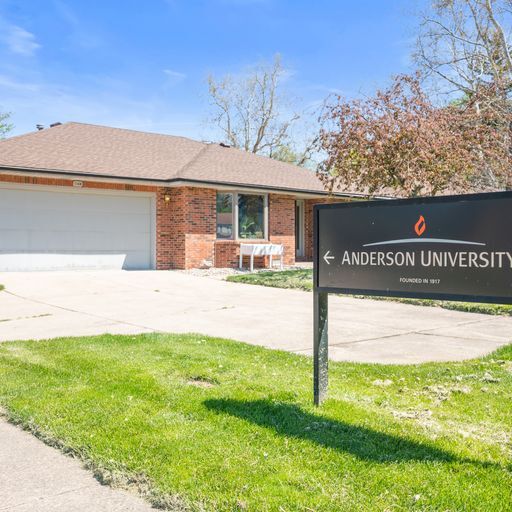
(56, 228)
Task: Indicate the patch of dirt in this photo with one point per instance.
(413, 415)
(140, 484)
(202, 382)
(423, 418)
(487, 433)
(442, 392)
(438, 392)
(222, 273)
(382, 383)
(465, 390)
(489, 377)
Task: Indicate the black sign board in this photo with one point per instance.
(451, 248)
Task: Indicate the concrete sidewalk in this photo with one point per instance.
(37, 478)
(50, 304)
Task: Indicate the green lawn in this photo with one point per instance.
(210, 424)
(303, 280)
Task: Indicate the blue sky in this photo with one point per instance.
(144, 64)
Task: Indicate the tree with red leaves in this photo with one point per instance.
(399, 142)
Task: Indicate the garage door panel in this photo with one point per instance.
(56, 240)
(14, 240)
(105, 204)
(136, 260)
(130, 241)
(125, 222)
(43, 229)
(65, 242)
(131, 223)
(10, 219)
(14, 200)
(63, 261)
(49, 220)
(97, 241)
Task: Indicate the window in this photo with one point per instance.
(224, 215)
(251, 211)
(241, 216)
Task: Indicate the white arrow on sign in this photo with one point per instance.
(327, 257)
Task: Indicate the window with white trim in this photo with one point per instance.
(224, 216)
(242, 216)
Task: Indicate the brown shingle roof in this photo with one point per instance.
(113, 152)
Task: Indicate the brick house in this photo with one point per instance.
(85, 196)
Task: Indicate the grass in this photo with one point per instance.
(298, 279)
(303, 280)
(197, 423)
(2, 287)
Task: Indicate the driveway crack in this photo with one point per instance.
(71, 310)
(426, 332)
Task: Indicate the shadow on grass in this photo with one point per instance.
(367, 444)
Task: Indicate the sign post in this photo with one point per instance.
(444, 248)
(321, 345)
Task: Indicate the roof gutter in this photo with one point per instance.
(266, 188)
(174, 182)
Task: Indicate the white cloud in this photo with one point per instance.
(42, 102)
(324, 89)
(17, 86)
(82, 36)
(174, 77)
(19, 40)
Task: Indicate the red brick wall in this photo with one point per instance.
(308, 228)
(187, 231)
(170, 251)
(308, 223)
(281, 224)
(227, 254)
(201, 227)
(58, 182)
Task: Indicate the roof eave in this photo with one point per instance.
(174, 182)
(262, 188)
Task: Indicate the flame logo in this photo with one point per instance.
(420, 226)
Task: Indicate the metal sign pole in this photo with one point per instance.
(321, 346)
(320, 326)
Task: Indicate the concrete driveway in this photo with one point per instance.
(51, 304)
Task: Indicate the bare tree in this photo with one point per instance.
(466, 44)
(5, 126)
(251, 111)
(306, 156)
(304, 151)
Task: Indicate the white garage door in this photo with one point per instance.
(51, 229)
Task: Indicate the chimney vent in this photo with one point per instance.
(40, 127)
(55, 124)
